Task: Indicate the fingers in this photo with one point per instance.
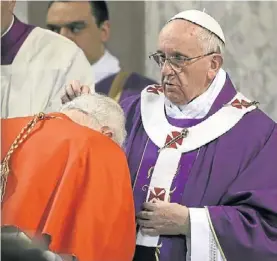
(144, 215)
(145, 223)
(150, 205)
(85, 89)
(150, 231)
(64, 98)
(73, 90)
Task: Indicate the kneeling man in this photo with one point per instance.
(62, 178)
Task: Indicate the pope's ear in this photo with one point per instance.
(216, 63)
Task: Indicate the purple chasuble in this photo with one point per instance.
(13, 40)
(234, 175)
(143, 177)
(133, 85)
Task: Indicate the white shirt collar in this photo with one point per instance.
(199, 107)
(9, 28)
(105, 66)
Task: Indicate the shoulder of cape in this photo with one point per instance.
(258, 122)
(242, 120)
(52, 46)
(131, 105)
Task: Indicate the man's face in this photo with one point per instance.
(6, 14)
(75, 21)
(178, 38)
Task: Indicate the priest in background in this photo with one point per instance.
(87, 23)
(65, 180)
(202, 156)
(36, 64)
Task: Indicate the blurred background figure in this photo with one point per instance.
(35, 66)
(87, 23)
(16, 246)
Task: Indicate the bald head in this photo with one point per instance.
(99, 113)
(7, 8)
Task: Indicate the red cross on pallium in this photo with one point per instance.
(173, 135)
(240, 104)
(157, 193)
(156, 89)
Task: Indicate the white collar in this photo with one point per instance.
(105, 66)
(199, 107)
(9, 28)
(160, 131)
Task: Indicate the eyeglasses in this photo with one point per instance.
(177, 62)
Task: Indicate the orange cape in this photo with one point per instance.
(73, 184)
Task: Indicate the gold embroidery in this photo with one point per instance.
(145, 187)
(158, 252)
(150, 172)
(142, 157)
(253, 103)
(183, 134)
(171, 192)
(214, 234)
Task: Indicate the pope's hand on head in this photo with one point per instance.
(164, 218)
(73, 90)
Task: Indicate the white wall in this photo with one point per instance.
(21, 11)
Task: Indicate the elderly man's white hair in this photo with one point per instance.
(102, 111)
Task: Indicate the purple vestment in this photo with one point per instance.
(133, 85)
(13, 40)
(234, 175)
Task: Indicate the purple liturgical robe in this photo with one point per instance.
(134, 84)
(235, 176)
(13, 40)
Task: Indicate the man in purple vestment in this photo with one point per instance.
(203, 157)
(35, 66)
(87, 24)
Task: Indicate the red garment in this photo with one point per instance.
(72, 183)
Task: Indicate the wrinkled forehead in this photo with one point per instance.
(65, 12)
(179, 36)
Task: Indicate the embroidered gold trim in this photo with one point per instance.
(140, 164)
(253, 103)
(158, 252)
(150, 172)
(214, 234)
(145, 187)
(182, 135)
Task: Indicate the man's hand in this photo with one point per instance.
(164, 218)
(73, 90)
